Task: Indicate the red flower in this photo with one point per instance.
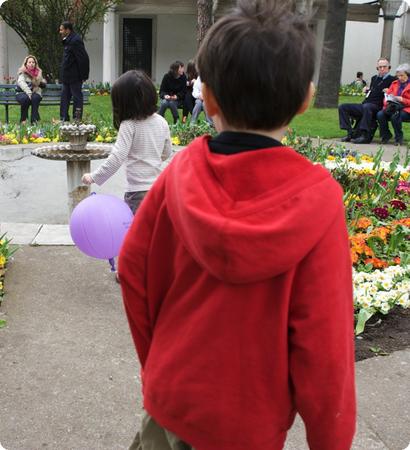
(398, 204)
(381, 213)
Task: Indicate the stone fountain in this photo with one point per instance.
(78, 155)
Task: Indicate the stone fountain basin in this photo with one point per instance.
(63, 152)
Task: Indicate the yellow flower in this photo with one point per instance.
(331, 158)
(366, 158)
(99, 138)
(1, 286)
(284, 140)
(1, 241)
(108, 139)
(404, 175)
(2, 261)
(14, 141)
(24, 140)
(175, 140)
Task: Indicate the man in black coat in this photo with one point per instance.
(75, 69)
(365, 113)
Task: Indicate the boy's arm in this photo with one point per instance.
(132, 265)
(321, 341)
(118, 156)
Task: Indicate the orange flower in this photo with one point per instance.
(405, 222)
(362, 223)
(368, 251)
(354, 256)
(376, 263)
(397, 260)
(381, 232)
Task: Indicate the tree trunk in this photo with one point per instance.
(204, 19)
(332, 55)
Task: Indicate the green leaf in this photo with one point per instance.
(3, 323)
(363, 316)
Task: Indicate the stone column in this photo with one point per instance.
(77, 191)
(390, 8)
(109, 48)
(4, 59)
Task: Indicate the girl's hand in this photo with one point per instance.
(87, 179)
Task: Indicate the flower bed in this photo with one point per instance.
(5, 254)
(376, 196)
(21, 134)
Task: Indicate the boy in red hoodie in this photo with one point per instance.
(236, 272)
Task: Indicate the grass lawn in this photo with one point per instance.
(314, 122)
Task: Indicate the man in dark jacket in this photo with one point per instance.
(365, 113)
(75, 69)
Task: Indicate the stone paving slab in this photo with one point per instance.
(20, 233)
(53, 235)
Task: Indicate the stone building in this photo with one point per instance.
(150, 34)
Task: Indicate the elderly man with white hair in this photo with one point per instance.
(396, 106)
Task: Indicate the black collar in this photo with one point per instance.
(232, 142)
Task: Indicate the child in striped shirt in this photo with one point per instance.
(143, 140)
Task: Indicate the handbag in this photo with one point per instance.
(393, 107)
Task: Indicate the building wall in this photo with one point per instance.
(176, 40)
(362, 48)
(174, 37)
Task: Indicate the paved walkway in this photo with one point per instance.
(69, 375)
(68, 370)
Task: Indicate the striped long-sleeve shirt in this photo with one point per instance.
(142, 145)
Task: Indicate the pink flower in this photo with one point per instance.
(403, 186)
(381, 213)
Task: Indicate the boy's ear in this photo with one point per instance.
(308, 99)
(212, 107)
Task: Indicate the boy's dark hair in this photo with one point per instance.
(259, 61)
(133, 96)
(174, 67)
(67, 25)
(359, 74)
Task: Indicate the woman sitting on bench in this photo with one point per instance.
(28, 92)
(396, 106)
(172, 90)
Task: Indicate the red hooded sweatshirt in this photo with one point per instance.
(236, 278)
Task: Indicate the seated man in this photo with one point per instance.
(365, 113)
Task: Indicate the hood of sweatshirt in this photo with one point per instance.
(252, 215)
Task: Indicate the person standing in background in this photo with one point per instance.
(75, 69)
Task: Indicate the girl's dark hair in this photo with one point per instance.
(174, 67)
(191, 72)
(258, 62)
(133, 96)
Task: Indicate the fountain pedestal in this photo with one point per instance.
(77, 162)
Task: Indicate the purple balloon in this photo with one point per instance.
(98, 225)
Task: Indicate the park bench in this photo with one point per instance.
(51, 96)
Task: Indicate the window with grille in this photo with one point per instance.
(137, 45)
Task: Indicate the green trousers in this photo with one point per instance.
(154, 437)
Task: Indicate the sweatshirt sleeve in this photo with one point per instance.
(132, 265)
(118, 156)
(164, 88)
(321, 341)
